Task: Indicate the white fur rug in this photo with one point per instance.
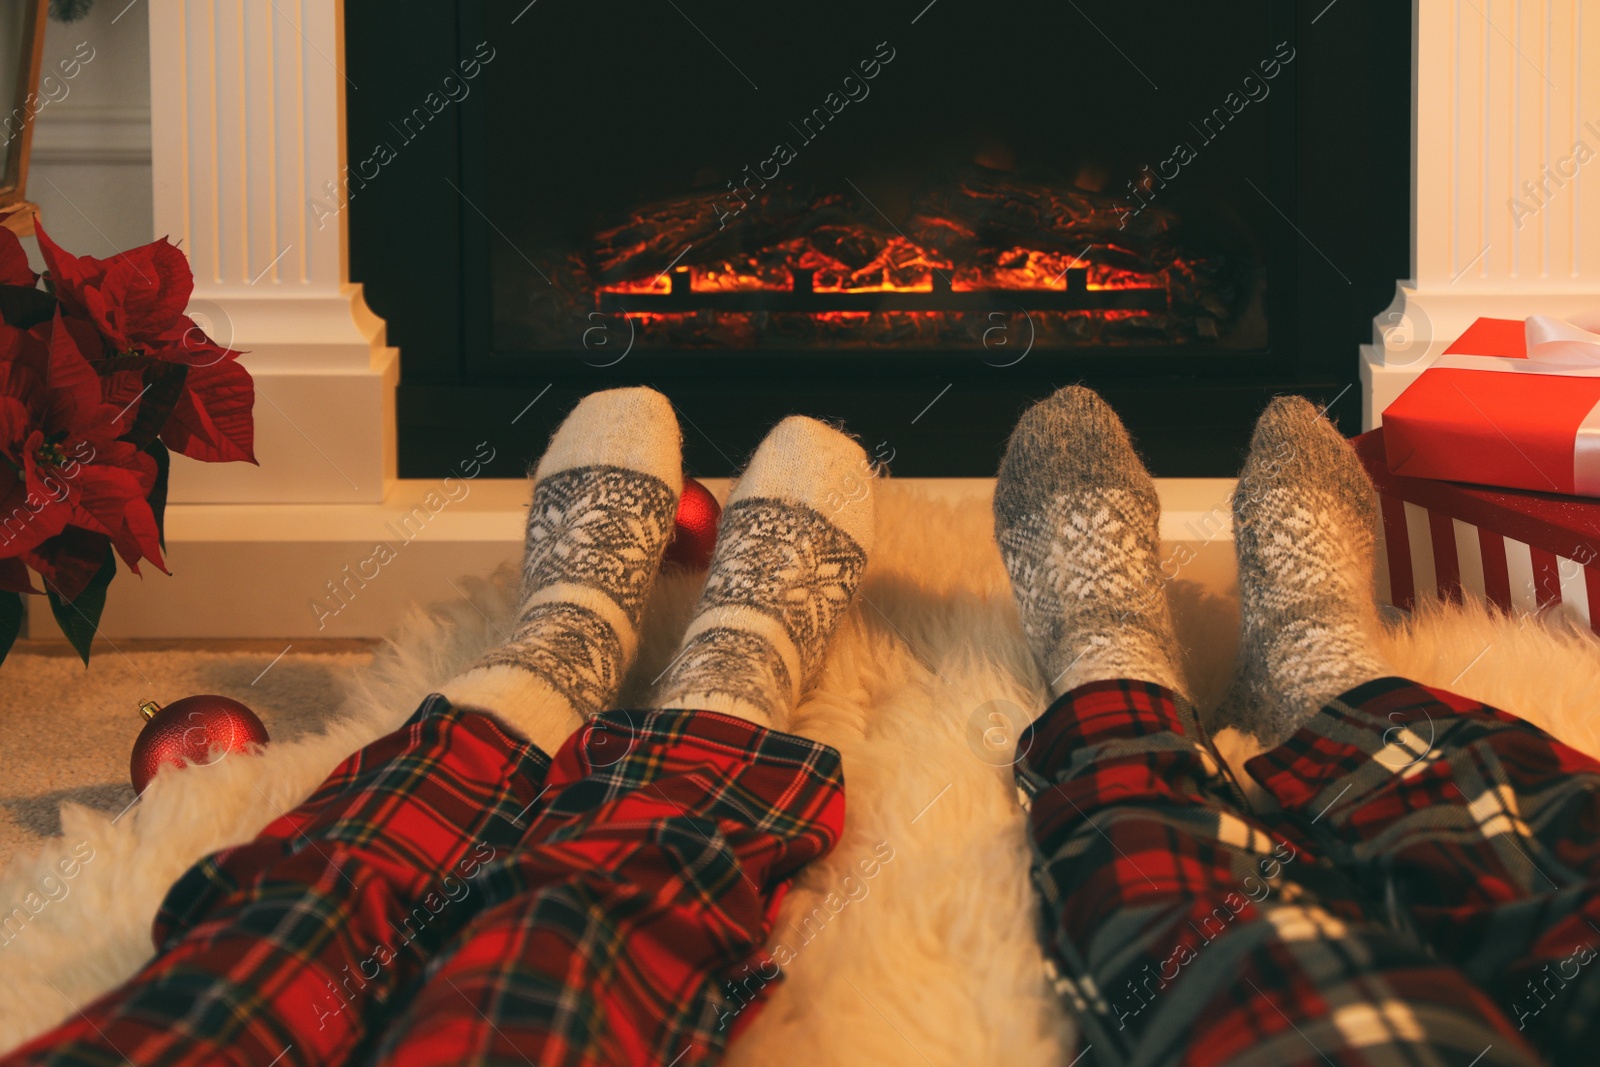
(935, 959)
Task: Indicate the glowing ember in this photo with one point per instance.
(803, 268)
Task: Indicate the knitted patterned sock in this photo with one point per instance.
(1305, 526)
(790, 551)
(1078, 523)
(604, 499)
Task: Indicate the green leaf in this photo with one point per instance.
(11, 615)
(162, 386)
(23, 306)
(80, 618)
(158, 492)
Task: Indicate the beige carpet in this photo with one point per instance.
(934, 960)
(66, 732)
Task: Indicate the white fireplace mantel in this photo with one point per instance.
(247, 129)
(1506, 179)
(247, 105)
(247, 125)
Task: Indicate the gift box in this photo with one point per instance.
(1507, 404)
(1522, 551)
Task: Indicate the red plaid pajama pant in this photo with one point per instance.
(1425, 896)
(1429, 892)
(449, 895)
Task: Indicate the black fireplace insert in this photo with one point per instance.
(912, 217)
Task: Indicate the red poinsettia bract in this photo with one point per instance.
(136, 301)
(67, 483)
(14, 269)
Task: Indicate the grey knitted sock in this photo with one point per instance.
(1305, 526)
(791, 548)
(1078, 523)
(605, 495)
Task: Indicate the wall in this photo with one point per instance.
(90, 173)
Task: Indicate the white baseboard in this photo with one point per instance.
(317, 570)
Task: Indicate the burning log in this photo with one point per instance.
(981, 211)
(656, 235)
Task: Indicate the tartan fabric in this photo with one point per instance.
(1482, 829)
(1186, 931)
(629, 928)
(289, 949)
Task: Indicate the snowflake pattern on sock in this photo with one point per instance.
(725, 661)
(575, 651)
(602, 527)
(1088, 585)
(788, 561)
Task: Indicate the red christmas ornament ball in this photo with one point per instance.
(197, 729)
(695, 532)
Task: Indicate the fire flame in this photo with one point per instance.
(901, 267)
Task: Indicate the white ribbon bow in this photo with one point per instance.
(1557, 342)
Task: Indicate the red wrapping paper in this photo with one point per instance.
(1489, 427)
(1520, 551)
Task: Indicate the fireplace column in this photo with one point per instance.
(1506, 171)
(247, 129)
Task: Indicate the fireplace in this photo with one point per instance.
(336, 177)
(913, 220)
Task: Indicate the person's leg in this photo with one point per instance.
(1475, 830)
(634, 917)
(293, 948)
(1183, 930)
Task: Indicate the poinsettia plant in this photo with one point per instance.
(101, 373)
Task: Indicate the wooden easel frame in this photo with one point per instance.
(15, 212)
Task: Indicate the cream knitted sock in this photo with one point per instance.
(605, 495)
(792, 545)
